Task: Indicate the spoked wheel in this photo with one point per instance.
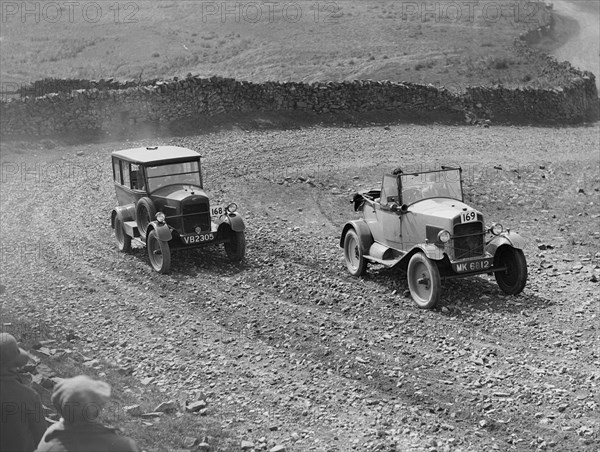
(512, 280)
(144, 214)
(236, 248)
(423, 281)
(355, 260)
(159, 253)
(123, 240)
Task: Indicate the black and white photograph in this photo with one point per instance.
(299, 226)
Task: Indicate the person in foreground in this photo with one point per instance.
(23, 421)
(79, 401)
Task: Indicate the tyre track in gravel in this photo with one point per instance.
(94, 309)
(325, 331)
(305, 268)
(67, 307)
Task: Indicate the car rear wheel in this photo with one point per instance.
(159, 253)
(353, 254)
(512, 280)
(123, 240)
(144, 214)
(424, 281)
(236, 247)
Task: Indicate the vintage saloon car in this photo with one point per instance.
(420, 222)
(162, 204)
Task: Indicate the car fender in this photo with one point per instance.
(506, 238)
(162, 230)
(430, 250)
(125, 213)
(237, 223)
(364, 234)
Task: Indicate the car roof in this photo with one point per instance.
(156, 154)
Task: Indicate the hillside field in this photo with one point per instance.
(443, 43)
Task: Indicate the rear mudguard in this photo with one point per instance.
(125, 213)
(364, 234)
(162, 230)
(506, 238)
(236, 222)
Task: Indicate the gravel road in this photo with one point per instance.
(290, 349)
(583, 48)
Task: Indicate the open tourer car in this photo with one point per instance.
(419, 221)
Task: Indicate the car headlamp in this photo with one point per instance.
(160, 217)
(232, 207)
(443, 236)
(497, 229)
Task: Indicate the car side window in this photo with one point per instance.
(117, 171)
(389, 190)
(137, 177)
(125, 173)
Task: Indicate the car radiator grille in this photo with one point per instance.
(468, 240)
(195, 215)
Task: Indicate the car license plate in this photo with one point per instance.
(473, 266)
(197, 238)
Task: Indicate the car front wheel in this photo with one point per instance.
(423, 281)
(159, 253)
(512, 280)
(236, 247)
(123, 240)
(353, 254)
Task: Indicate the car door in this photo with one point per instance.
(129, 181)
(389, 218)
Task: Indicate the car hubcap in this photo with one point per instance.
(155, 252)
(353, 252)
(423, 282)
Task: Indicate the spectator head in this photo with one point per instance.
(80, 399)
(11, 355)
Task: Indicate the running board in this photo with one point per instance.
(386, 262)
(131, 229)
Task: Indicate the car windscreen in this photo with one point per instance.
(187, 173)
(433, 184)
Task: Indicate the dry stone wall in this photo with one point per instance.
(57, 85)
(170, 101)
(166, 102)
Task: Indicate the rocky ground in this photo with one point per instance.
(288, 349)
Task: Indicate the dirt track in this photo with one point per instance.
(583, 47)
(288, 346)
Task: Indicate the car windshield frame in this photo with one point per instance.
(422, 185)
(186, 172)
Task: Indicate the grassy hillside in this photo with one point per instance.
(419, 41)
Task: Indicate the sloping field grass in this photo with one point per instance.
(440, 42)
